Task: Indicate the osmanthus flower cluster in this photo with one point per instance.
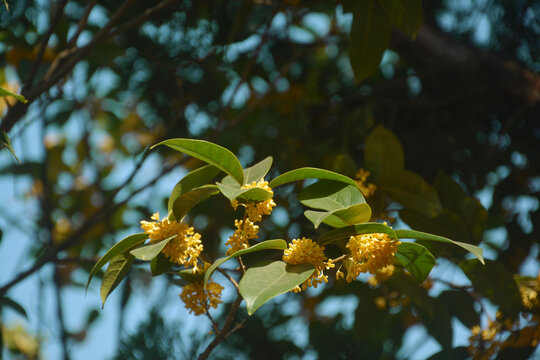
(199, 300)
(184, 248)
(305, 251)
(173, 247)
(369, 253)
(254, 210)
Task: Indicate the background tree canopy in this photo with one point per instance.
(447, 92)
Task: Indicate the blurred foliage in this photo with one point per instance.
(274, 78)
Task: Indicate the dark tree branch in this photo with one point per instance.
(81, 24)
(54, 21)
(446, 66)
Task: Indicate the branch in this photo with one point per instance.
(222, 335)
(81, 24)
(51, 253)
(64, 62)
(439, 59)
(54, 21)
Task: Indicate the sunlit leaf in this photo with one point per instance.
(235, 191)
(257, 171)
(416, 259)
(411, 234)
(150, 251)
(354, 214)
(4, 92)
(211, 153)
(185, 202)
(122, 246)
(5, 141)
(267, 244)
(330, 195)
(160, 265)
(346, 232)
(270, 279)
(116, 271)
(192, 180)
(310, 173)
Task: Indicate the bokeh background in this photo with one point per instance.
(107, 80)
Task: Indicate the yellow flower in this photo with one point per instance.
(368, 188)
(483, 343)
(381, 275)
(529, 297)
(369, 252)
(197, 300)
(255, 210)
(245, 230)
(184, 249)
(305, 251)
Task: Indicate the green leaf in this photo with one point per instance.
(192, 180)
(184, 203)
(150, 251)
(344, 203)
(370, 36)
(346, 232)
(252, 194)
(354, 214)
(319, 217)
(449, 192)
(116, 271)
(413, 192)
(257, 171)
(383, 154)
(330, 195)
(123, 245)
(459, 352)
(278, 244)
(405, 14)
(252, 173)
(4, 92)
(160, 264)
(461, 305)
(270, 279)
(189, 276)
(6, 142)
(495, 282)
(415, 258)
(411, 234)
(211, 153)
(15, 306)
(311, 173)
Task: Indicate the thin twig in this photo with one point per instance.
(54, 21)
(230, 278)
(214, 323)
(220, 336)
(51, 253)
(148, 13)
(81, 24)
(248, 69)
(236, 328)
(338, 259)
